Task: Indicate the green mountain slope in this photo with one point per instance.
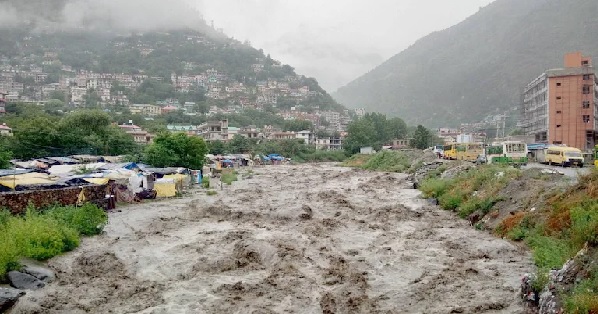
(158, 54)
(479, 66)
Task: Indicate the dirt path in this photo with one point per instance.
(292, 239)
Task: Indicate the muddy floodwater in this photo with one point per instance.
(289, 239)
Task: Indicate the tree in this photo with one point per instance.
(217, 148)
(421, 137)
(5, 154)
(176, 150)
(362, 133)
(297, 125)
(239, 144)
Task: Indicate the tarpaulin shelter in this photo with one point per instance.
(32, 178)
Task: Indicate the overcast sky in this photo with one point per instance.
(334, 41)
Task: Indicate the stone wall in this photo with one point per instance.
(17, 202)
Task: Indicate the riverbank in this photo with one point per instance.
(312, 238)
(552, 214)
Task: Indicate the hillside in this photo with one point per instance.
(228, 72)
(479, 66)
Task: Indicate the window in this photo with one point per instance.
(586, 89)
(586, 119)
(585, 62)
(587, 77)
(558, 111)
(558, 125)
(558, 97)
(558, 84)
(586, 104)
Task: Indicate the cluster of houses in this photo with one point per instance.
(220, 130)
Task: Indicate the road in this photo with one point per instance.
(572, 172)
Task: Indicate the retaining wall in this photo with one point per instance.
(17, 202)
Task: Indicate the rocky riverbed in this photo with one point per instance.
(290, 239)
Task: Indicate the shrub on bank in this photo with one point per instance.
(43, 235)
(228, 177)
(321, 156)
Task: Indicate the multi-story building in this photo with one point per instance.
(307, 135)
(2, 103)
(145, 109)
(139, 135)
(561, 105)
(214, 130)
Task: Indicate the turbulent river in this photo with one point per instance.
(288, 239)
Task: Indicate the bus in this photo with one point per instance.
(450, 151)
(507, 153)
(563, 155)
(469, 151)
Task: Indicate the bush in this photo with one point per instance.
(228, 177)
(451, 201)
(205, 182)
(388, 161)
(434, 187)
(41, 237)
(211, 193)
(88, 219)
(548, 252)
(474, 204)
(44, 235)
(9, 252)
(584, 224)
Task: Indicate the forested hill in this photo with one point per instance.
(479, 66)
(155, 54)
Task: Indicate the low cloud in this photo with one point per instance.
(100, 15)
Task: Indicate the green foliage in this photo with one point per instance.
(205, 182)
(42, 235)
(239, 145)
(321, 156)
(211, 193)
(228, 177)
(434, 188)
(474, 204)
(549, 252)
(176, 150)
(217, 148)
(88, 219)
(422, 138)
(373, 130)
(297, 125)
(5, 157)
(38, 134)
(584, 298)
(388, 161)
(584, 224)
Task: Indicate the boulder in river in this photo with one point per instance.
(24, 281)
(8, 298)
(40, 273)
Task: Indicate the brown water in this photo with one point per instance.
(292, 239)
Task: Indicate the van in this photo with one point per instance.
(564, 156)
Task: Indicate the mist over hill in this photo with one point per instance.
(479, 66)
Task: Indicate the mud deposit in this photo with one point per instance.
(292, 239)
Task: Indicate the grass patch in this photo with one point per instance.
(205, 182)
(211, 193)
(386, 161)
(43, 235)
(357, 161)
(228, 177)
(321, 156)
